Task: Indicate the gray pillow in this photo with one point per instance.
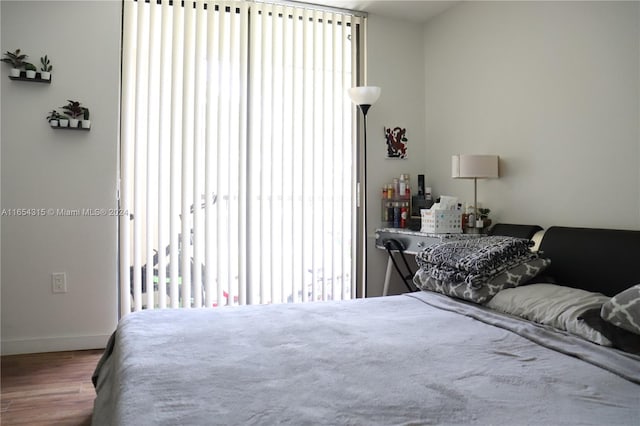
(552, 305)
(512, 277)
(623, 309)
(619, 337)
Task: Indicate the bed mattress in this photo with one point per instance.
(421, 358)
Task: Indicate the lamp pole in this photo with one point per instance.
(364, 97)
(364, 109)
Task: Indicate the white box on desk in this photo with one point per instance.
(441, 221)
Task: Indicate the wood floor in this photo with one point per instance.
(48, 389)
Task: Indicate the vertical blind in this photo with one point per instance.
(237, 154)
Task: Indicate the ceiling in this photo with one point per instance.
(417, 11)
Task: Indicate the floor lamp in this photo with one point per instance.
(474, 167)
(364, 97)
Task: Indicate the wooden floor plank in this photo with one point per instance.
(52, 389)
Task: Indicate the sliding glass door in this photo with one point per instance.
(238, 157)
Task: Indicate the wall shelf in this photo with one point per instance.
(37, 79)
(70, 128)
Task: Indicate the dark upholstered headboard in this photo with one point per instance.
(517, 231)
(602, 260)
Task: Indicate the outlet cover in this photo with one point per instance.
(59, 282)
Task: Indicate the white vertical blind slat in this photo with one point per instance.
(230, 114)
(314, 149)
(221, 159)
(187, 156)
(276, 182)
(176, 155)
(152, 160)
(211, 132)
(286, 223)
(239, 239)
(265, 230)
(234, 122)
(243, 152)
(333, 158)
(199, 124)
(293, 126)
(163, 150)
(306, 222)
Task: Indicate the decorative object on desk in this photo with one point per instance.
(423, 200)
(396, 142)
(444, 217)
(45, 68)
(396, 202)
(482, 220)
(395, 213)
(16, 60)
(364, 97)
(474, 167)
(441, 221)
(400, 189)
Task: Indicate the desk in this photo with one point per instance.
(413, 243)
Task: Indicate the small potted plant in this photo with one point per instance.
(30, 69)
(74, 110)
(483, 217)
(63, 120)
(45, 68)
(86, 122)
(54, 118)
(16, 60)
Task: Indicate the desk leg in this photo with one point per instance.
(387, 276)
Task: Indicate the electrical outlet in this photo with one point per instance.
(59, 282)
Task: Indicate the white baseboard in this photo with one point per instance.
(53, 344)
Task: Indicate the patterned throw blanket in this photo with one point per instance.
(475, 269)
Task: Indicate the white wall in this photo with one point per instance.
(396, 64)
(551, 87)
(554, 89)
(45, 168)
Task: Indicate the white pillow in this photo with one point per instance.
(552, 305)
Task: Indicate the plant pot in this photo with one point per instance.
(86, 124)
(54, 123)
(63, 122)
(45, 75)
(73, 122)
(31, 74)
(15, 72)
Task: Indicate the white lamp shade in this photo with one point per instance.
(364, 95)
(474, 166)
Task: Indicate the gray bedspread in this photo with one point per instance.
(422, 359)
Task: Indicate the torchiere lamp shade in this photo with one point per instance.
(364, 95)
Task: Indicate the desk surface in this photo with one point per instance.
(415, 241)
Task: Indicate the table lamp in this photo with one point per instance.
(474, 167)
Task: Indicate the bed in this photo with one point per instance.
(418, 358)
